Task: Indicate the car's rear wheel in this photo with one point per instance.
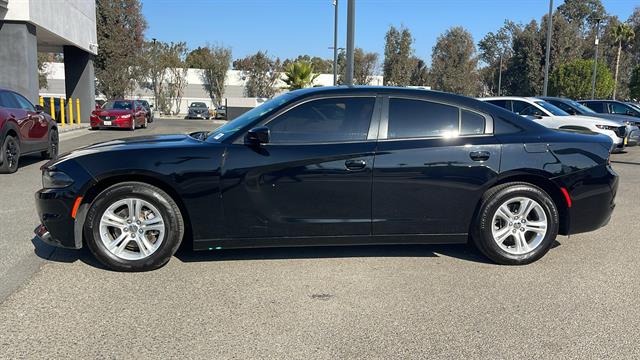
(52, 150)
(517, 224)
(10, 155)
(144, 125)
(134, 226)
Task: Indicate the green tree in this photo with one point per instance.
(261, 72)
(154, 68)
(214, 60)
(177, 78)
(120, 30)
(495, 51)
(454, 63)
(420, 73)
(299, 75)
(634, 84)
(523, 75)
(398, 54)
(573, 80)
(365, 65)
(43, 71)
(582, 13)
(196, 57)
(320, 65)
(622, 34)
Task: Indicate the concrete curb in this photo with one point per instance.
(67, 128)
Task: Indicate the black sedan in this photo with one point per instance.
(333, 166)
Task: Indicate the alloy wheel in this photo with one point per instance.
(519, 225)
(132, 229)
(11, 153)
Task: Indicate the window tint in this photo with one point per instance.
(417, 118)
(621, 109)
(7, 100)
(325, 120)
(24, 103)
(524, 109)
(562, 106)
(471, 123)
(502, 103)
(596, 106)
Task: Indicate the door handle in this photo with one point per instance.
(479, 155)
(358, 164)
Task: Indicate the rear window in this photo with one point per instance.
(417, 118)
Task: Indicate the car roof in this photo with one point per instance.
(600, 100)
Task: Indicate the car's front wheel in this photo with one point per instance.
(134, 226)
(517, 224)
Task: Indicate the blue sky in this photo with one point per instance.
(287, 28)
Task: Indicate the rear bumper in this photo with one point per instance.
(592, 192)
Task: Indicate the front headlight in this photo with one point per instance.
(55, 179)
(607, 127)
(125, 116)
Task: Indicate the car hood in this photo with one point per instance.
(581, 119)
(114, 112)
(153, 142)
(616, 117)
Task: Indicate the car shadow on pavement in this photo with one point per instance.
(463, 252)
(185, 254)
(55, 254)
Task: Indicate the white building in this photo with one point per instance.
(63, 26)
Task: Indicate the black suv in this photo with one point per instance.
(611, 107)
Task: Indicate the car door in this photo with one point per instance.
(623, 109)
(38, 132)
(21, 118)
(432, 165)
(313, 178)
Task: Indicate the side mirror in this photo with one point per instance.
(257, 136)
(98, 107)
(150, 106)
(39, 108)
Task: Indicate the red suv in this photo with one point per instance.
(127, 114)
(24, 129)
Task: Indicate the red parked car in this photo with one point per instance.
(24, 129)
(124, 114)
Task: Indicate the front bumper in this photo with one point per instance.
(117, 123)
(58, 227)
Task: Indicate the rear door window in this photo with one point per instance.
(596, 106)
(471, 123)
(417, 118)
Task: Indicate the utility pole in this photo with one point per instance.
(595, 60)
(548, 55)
(500, 75)
(351, 23)
(335, 44)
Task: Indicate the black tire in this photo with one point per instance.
(144, 126)
(174, 226)
(54, 143)
(133, 125)
(482, 228)
(9, 166)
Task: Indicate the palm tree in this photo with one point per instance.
(299, 75)
(622, 33)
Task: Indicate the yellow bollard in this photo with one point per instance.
(41, 101)
(71, 111)
(78, 109)
(62, 112)
(53, 108)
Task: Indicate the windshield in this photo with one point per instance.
(198, 105)
(552, 108)
(247, 118)
(118, 105)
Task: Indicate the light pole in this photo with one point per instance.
(500, 74)
(351, 24)
(595, 60)
(335, 44)
(548, 55)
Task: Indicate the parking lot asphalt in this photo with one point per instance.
(580, 301)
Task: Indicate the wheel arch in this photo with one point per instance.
(94, 190)
(552, 189)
